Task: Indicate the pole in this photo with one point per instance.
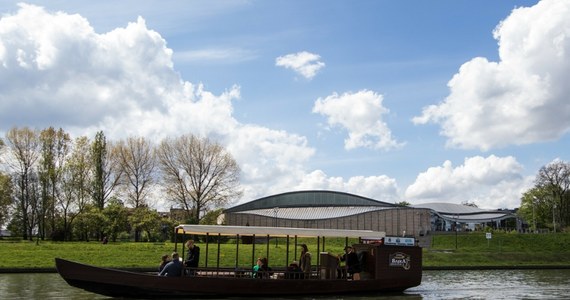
(533, 213)
(456, 231)
(553, 219)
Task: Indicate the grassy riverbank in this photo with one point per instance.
(473, 250)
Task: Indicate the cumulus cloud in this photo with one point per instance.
(521, 99)
(489, 182)
(55, 70)
(304, 63)
(381, 188)
(360, 114)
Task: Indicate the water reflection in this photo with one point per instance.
(489, 284)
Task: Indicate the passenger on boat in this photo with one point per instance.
(266, 271)
(174, 268)
(352, 262)
(256, 269)
(293, 271)
(305, 261)
(165, 260)
(193, 257)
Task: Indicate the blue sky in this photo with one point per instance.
(418, 101)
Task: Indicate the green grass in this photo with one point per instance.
(26, 254)
(473, 249)
(503, 249)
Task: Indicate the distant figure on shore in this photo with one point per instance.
(174, 268)
(104, 241)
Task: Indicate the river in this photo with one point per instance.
(488, 284)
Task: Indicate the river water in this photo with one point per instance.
(488, 284)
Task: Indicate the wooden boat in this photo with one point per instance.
(389, 264)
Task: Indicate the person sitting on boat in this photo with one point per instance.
(174, 268)
(266, 271)
(352, 262)
(294, 271)
(256, 269)
(193, 257)
(305, 261)
(165, 260)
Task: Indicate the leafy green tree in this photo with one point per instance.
(75, 185)
(116, 215)
(146, 220)
(106, 171)
(554, 180)
(90, 223)
(55, 147)
(6, 197)
(211, 217)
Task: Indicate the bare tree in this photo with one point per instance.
(23, 145)
(137, 162)
(198, 174)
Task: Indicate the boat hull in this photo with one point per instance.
(118, 283)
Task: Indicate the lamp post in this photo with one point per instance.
(533, 213)
(456, 217)
(275, 211)
(553, 219)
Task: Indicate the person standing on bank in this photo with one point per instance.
(352, 263)
(305, 261)
(174, 268)
(193, 256)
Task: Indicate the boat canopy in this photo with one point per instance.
(276, 231)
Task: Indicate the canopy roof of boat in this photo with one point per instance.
(276, 231)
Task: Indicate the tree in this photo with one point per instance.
(106, 171)
(403, 203)
(54, 150)
(198, 174)
(136, 159)
(554, 180)
(23, 144)
(146, 220)
(75, 184)
(116, 215)
(6, 190)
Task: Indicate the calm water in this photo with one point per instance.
(492, 284)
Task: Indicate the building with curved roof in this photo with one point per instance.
(330, 209)
(445, 215)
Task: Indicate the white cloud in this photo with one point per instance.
(491, 182)
(381, 188)
(521, 99)
(305, 63)
(229, 55)
(55, 70)
(361, 115)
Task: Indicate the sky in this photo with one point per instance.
(417, 101)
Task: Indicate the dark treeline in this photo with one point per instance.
(56, 187)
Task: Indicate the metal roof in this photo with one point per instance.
(308, 199)
(277, 231)
(312, 213)
(464, 213)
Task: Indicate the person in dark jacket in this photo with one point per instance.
(164, 262)
(174, 268)
(352, 263)
(193, 257)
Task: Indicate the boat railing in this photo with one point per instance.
(275, 273)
